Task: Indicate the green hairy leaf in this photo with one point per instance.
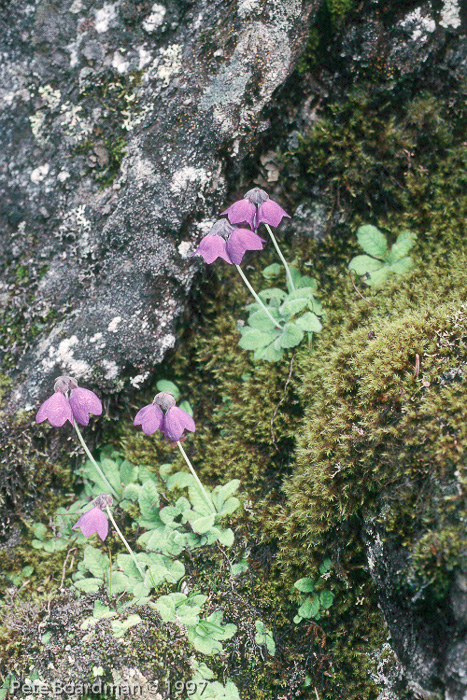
(379, 264)
(372, 241)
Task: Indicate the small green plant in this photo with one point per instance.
(206, 634)
(264, 636)
(314, 602)
(287, 318)
(207, 689)
(381, 262)
(278, 319)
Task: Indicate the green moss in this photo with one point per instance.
(329, 23)
(375, 442)
(338, 9)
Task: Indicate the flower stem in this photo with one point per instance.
(252, 291)
(278, 250)
(190, 466)
(96, 466)
(119, 532)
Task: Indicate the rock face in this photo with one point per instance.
(118, 119)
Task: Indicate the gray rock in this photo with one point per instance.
(113, 121)
(428, 641)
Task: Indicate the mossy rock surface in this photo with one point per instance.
(352, 449)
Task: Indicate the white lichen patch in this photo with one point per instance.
(246, 7)
(63, 357)
(8, 98)
(144, 57)
(418, 24)
(139, 380)
(264, 47)
(76, 223)
(50, 96)
(205, 225)
(51, 99)
(94, 338)
(132, 118)
(283, 14)
(106, 17)
(75, 126)
(450, 14)
(185, 249)
(120, 63)
(36, 122)
(155, 19)
(76, 6)
(171, 63)
(63, 175)
(183, 178)
(168, 341)
(111, 369)
(40, 173)
(113, 325)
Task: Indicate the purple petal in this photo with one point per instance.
(242, 212)
(211, 248)
(271, 213)
(94, 520)
(83, 402)
(241, 240)
(177, 420)
(56, 409)
(149, 418)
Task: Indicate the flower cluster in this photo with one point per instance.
(230, 241)
(75, 404)
(69, 402)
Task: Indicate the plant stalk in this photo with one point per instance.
(190, 466)
(252, 291)
(96, 466)
(120, 534)
(278, 250)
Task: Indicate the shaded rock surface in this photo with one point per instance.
(116, 121)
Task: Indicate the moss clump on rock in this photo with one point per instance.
(62, 647)
(371, 424)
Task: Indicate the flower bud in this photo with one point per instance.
(256, 196)
(65, 384)
(164, 400)
(221, 228)
(102, 501)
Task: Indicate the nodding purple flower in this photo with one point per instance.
(254, 209)
(162, 414)
(228, 242)
(95, 520)
(69, 402)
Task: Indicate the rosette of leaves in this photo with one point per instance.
(314, 602)
(206, 634)
(297, 311)
(380, 261)
(123, 576)
(208, 689)
(103, 612)
(189, 523)
(124, 477)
